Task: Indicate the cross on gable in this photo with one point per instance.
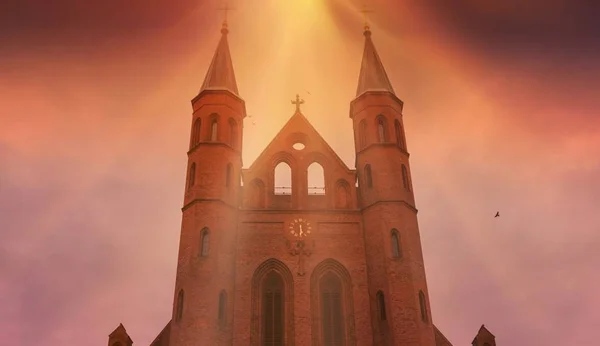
(298, 102)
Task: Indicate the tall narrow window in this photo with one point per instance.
(196, 132)
(272, 310)
(179, 312)
(283, 179)
(214, 130)
(381, 306)
(204, 242)
(362, 134)
(332, 315)
(222, 307)
(405, 182)
(316, 179)
(192, 176)
(233, 133)
(423, 306)
(228, 175)
(381, 129)
(399, 134)
(396, 249)
(368, 177)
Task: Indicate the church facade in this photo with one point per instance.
(259, 266)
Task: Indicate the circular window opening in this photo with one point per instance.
(298, 146)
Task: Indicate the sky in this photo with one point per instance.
(502, 113)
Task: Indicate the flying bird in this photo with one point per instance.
(308, 92)
(497, 214)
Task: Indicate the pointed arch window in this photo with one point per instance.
(233, 133)
(332, 315)
(405, 182)
(316, 179)
(362, 134)
(192, 175)
(228, 175)
(196, 132)
(214, 130)
(222, 307)
(399, 134)
(381, 129)
(282, 179)
(204, 242)
(381, 306)
(368, 176)
(423, 306)
(179, 311)
(396, 248)
(273, 322)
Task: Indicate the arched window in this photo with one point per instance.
(256, 194)
(204, 242)
(196, 133)
(192, 175)
(332, 314)
(316, 179)
(273, 299)
(399, 134)
(423, 306)
(405, 182)
(381, 306)
(179, 312)
(214, 130)
(228, 175)
(368, 177)
(222, 307)
(283, 179)
(362, 135)
(381, 129)
(233, 133)
(396, 249)
(342, 194)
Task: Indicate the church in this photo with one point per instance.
(262, 266)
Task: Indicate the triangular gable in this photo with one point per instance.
(295, 125)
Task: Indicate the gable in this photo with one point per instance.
(259, 179)
(299, 130)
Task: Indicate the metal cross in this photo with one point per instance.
(365, 12)
(298, 102)
(225, 8)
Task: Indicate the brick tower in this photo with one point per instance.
(203, 308)
(396, 274)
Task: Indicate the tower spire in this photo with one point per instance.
(220, 74)
(372, 75)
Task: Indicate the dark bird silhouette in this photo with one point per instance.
(497, 214)
(308, 92)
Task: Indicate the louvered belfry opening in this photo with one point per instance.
(332, 316)
(273, 310)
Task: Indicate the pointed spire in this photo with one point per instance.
(372, 75)
(220, 75)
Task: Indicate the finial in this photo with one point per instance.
(298, 102)
(226, 9)
(365, 12)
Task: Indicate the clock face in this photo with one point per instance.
(300, 228)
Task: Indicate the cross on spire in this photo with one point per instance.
(225, 9)
(365, 11)
(298, 102)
